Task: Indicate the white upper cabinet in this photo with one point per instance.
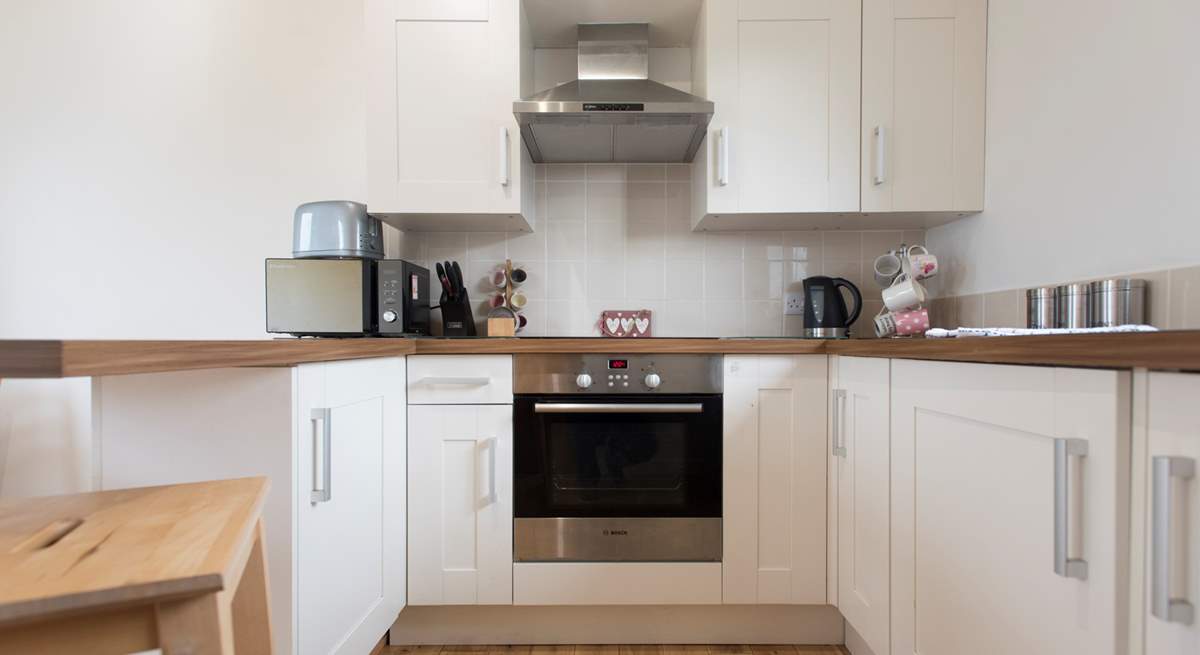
(1172, 546)
(923, 83)
(784, 77)
(444, 151)
(1010, 511)
(774, 479)
(860, 446)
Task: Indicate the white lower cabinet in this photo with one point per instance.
(1172, 538)
(350, 528)
(860, 447)
(461, 512)
(331, 439)
(774, 479)
(1010, 489)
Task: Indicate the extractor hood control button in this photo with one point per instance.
(583, 380)
(389, 316)
(653, 380)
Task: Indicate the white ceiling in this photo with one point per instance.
(553, 21)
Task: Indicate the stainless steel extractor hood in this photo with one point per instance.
(613, 112)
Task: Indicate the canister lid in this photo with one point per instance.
(1074, 289)
(1039, 292)
(1117, 284)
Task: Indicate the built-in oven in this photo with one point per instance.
(617, 458)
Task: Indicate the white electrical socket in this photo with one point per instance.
(793, 303)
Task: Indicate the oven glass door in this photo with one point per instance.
(617, 456)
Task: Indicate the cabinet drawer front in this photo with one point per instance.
(460, 379)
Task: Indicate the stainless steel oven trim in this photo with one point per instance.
(693, 539)
(618, 408)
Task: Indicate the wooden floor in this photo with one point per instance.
(618, 650)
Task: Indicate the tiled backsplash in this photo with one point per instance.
(613, 236)
(1172, 303)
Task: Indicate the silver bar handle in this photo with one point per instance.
(1064, 565)
(880, 155)
(461, 381)
(1162, 606)
(839, 428)
(723, 157)
(618, 408)
(504, 171)
(322, 449)
(490, 446)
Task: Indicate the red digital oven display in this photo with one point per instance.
(618, 364)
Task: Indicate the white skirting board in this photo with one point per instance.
(617, 583)
(640, 624)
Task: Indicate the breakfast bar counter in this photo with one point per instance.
(1175, 350)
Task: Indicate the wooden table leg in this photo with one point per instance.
(200, 625)
(251, 609)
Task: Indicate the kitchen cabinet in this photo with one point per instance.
(1010, 521)
(924, 67)
(460, 426)
(860, 449)
(443, 148)
(785, 80)
(462, 515)
(331, 439)
(774, 479)
(1172, 526)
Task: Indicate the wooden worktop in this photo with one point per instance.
(1178, 350)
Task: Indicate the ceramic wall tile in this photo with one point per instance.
(1183, 308)
(615, 236)
(1158, 298)
(969, 310)
(566, 201)
(1002, 309)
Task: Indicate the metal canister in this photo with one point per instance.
(1119, 301)
(1071, 305)
(1039, 307)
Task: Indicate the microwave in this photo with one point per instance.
(347, 297)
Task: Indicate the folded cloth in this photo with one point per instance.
(942, 333)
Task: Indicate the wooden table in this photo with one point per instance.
(179, 567)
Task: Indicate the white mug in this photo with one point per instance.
(921, 264)
(887, 267)
(905, 293)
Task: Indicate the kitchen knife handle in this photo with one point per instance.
(1162, 606)
(504, 170)
(322, 455)
(1064, 565)
(880, 155)
(723, 157)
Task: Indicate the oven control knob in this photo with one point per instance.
(389, 316)
(583, 380)
(652, 380)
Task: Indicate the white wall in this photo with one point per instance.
(1092, 147)
(151, 154)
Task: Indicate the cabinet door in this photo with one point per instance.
(442, 79)
(461, 522)
(861, 444)
(1009, 509)
(923, 82)
(350, 503)
(774, 479)
(785, 80)
(1173, 520)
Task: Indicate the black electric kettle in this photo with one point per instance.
(825, 315)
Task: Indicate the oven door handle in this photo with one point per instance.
(618, 408)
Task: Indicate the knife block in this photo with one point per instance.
(457, 318)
